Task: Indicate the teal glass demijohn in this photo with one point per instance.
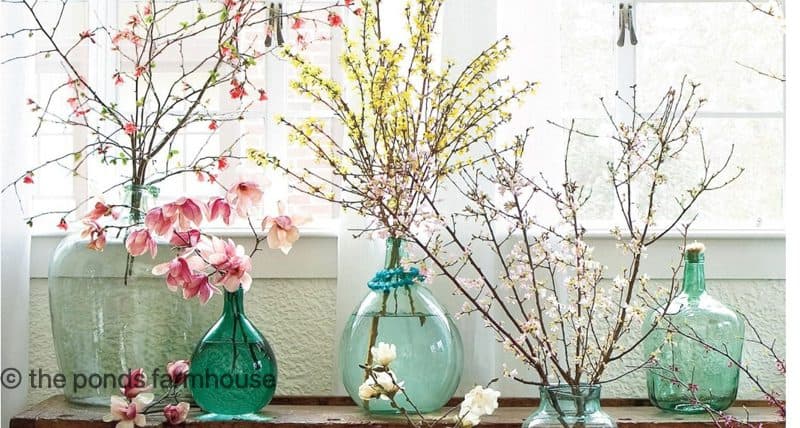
(399, 310)
(686, 374)
(569, 406)
(233, 370)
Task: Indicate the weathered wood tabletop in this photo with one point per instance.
(56, 412)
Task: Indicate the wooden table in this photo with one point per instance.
(56, 412)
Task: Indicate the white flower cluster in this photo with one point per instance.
(477, 403)
(381, 382)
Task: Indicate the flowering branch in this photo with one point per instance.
(548, 306)
(410, 125)
(136, 135)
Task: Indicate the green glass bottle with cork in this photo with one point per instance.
(695, 347)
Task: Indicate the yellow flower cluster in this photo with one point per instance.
(406, 125)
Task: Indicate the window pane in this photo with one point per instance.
(588, 159)
(704, 40)
(755, 199)
(588, 62)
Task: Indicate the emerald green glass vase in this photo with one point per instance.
(685, 375)
(399, 310)
(233, 370)
(569, 406)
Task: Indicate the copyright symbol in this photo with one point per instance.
(11, 378)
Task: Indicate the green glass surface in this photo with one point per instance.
(569, 406)
(429, 349)
(233, 370)
(682, 364)
(105, 324)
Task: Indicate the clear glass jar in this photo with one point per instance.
(106, 323)
(566, 406)
(685, 375)
(429, 349)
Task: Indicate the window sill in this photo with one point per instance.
(55, 412)
(313, 256)
(733, 254)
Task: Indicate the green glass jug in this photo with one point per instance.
(686, 374)
(233, 369)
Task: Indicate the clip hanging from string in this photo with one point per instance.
(626, 23)
(275, 24)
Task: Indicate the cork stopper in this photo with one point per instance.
(695, 251)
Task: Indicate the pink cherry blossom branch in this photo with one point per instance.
(140, 133)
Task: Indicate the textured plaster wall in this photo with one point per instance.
(298, 317)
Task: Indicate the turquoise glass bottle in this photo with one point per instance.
(399, 310)
(569, 406)
(685, 375)
(233, 369)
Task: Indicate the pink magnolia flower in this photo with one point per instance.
(189, 238)
(232, 264)
(219, 208)
(96, 235)
(141, 241)
(176, 413)
(184, 211)
(128, 414)
(101, 210)
(178, 371)
(135, 383)
(244, 195)
(158, 222)
(199, 286)
(283, 231)
(178, 271)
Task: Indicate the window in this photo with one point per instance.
(62, 189)
(571, 48)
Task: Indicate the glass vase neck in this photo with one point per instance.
(568, 400)
(138, 198)
(395, 252)
(694, 277)
(234, 304)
